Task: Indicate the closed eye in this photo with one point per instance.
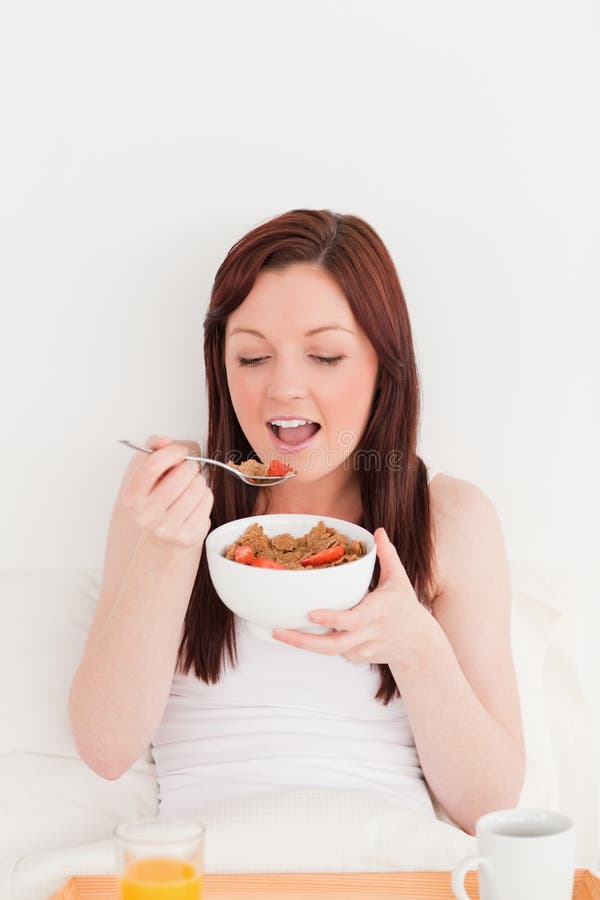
(257, 360)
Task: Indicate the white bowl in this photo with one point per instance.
(276, 598)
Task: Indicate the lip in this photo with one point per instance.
(290, 448)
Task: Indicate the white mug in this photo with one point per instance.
(523, 853)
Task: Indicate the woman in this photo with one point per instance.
(307, 324)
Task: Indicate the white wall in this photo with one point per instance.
(141, 139)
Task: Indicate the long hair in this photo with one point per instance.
(393, 479)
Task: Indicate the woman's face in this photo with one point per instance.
(277, 344)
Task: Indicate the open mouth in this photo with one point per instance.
(294, 435)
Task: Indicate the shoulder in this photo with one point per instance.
(453, 497)
(467, 533)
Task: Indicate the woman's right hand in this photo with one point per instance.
(166, 496)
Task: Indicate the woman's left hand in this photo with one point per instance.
(389, 625)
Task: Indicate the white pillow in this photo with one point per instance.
(533, 626)
(50, 798)
(562, 766)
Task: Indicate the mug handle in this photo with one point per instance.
(459, 872)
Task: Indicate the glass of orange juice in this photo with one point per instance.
(160, 859)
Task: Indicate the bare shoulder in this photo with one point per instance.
(466, 527)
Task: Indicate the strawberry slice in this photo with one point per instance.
(264, 563)
(243, 554)
(324, 556)
(276, 467)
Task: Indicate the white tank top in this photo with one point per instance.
(283, 718)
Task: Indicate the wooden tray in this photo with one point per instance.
(333, 886)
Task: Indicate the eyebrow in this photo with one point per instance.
(308, 333)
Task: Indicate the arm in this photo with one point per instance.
(454, 669)
(121, 687)
(460, 687)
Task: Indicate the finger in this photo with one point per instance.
(196, 493)
(197, 524)
(343, 620)
(189, 517)
(155, 441)
(174, 485)
(139, 459)
(156, 465)
(390, 564)
(338, 642)
(192, 449)
(206, 503)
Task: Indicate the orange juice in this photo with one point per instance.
(160, 879)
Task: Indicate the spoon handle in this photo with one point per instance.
(203, 459)
(191, 458)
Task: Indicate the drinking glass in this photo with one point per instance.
(160, 859)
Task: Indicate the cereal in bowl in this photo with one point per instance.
(321, 548)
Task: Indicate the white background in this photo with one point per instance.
(142, 139)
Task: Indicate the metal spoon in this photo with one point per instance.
(265, 480)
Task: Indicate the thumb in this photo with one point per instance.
(157, 441)
(390, 564)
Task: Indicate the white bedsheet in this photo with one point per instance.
(292, 831)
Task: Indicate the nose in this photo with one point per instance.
(286, 383)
